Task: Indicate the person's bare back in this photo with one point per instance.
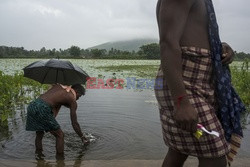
(57, 96)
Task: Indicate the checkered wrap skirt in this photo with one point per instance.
(198, 81)
(40, 117)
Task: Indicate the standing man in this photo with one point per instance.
(195, 79)
(42, 112)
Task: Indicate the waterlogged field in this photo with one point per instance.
(103, 69)
(117, 118)
(124, 122)
(95, 67)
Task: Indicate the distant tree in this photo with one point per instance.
(43, 50)
(113, 52)
(242, 56)
(87, 53)
(52, 53)
(75, 51)
(150, 51)
(98, 53)
(2, 51)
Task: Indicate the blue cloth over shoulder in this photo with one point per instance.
(230, 105)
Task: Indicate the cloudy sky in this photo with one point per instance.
(34, 24)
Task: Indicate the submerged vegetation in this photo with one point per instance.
(241, 82)
(15, 92)
(144, 71)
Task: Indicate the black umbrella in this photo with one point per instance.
(55, 71)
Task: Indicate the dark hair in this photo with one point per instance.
(79, 88)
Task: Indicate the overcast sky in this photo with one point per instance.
(85, 23)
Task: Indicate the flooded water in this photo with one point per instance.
(125, 125)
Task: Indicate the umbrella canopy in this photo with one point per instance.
(55, 71)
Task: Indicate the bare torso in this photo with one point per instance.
(56, 97)
(196, 28)
(181, 23)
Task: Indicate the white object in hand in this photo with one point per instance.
(209, 132)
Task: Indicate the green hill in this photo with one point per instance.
(129, 45)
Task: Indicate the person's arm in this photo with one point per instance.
(172, 18)
(56, 110)
(227, 53)
(74, 122)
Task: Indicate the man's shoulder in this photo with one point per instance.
(60, 95)
(68, 98)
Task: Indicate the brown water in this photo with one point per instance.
(125, 124)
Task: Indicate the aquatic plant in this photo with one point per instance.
(16, 90)
(241, 82)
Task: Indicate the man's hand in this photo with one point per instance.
(227, 54)
(185, 115)
(85, 141)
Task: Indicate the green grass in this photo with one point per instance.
(241, 82)
(143, 71)
(15, 92)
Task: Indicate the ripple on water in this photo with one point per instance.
(125, 125)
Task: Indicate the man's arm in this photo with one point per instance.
(172, 18)
(74, 122)
(56, 110)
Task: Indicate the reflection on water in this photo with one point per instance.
(58, 163)
(124, 124)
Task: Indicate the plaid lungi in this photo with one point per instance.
(40, 117)
(198, 81)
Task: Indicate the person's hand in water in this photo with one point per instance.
(227, 54)
(85, 141)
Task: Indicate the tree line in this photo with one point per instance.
(148, 51)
